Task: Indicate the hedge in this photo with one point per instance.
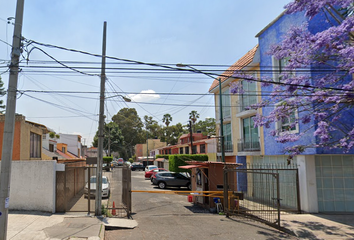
(107, 159)
(180, 160)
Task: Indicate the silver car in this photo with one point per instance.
(106, 188)
(171, 179)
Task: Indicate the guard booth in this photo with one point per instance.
(208, 176)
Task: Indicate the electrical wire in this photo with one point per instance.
(210, 74)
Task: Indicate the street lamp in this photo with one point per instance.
(126, 99)
(180, 65)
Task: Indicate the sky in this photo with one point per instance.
(209, 35)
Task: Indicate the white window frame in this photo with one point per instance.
(279, 124)
(277, 68)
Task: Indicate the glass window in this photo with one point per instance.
(250, 134)
(249, 96)
(194, 149)
(279, 68)
(181, 150)
(35, 145)
(186, 150)
(202, 148)
(288, 123)
(226, 109)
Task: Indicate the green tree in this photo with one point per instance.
(113, 138)
(152, 127)
(171, 134)
(131, 126)
(193, 116)
(167, 119)
(2, 93)
(207, 127)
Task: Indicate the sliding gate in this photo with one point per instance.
(263, 194)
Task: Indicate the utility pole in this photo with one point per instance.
(147, 148)
(191, 134)
(98, 199)
(8, 137)
(222, 139)
(109, 141)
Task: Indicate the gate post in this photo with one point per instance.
(278, 197)
(298, 191)
(226, 188)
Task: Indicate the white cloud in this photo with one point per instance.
(144, 96)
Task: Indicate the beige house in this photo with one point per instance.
(27, 138)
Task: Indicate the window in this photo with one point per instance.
(181, 150)
(279, 68)
(35, 145)
(194, 149)
(226, 109)
(250, 138)
(51, 147)
(186, 150)
(227, 137)
(202, 148)
(288, 123)
(249, 96)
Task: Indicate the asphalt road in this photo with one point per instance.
(164, 216)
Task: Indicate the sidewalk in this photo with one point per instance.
(38, 226)
(320, 226)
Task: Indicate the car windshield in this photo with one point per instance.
(93, 180)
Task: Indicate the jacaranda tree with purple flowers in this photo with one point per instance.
(317, 82)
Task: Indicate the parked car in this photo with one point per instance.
(120, 161)
(106, 166)
(106, 188)
(150, 167)
(128, 163)
(171, 179)
(148, 174)
(137, 166)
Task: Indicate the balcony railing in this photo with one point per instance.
(228, 146)
(248, 146)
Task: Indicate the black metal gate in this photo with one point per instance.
(263, 194)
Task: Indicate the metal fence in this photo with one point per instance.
(122, 206)
(126, 191)
(264, 192)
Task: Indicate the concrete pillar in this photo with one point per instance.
(307, 182)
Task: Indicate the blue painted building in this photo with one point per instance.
(326, 175)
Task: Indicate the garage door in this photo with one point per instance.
(335, 183)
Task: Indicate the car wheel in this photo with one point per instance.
(151, 179)
(162, 185)
(189, 186)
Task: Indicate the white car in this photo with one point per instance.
(106, 188)
(150, 167)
